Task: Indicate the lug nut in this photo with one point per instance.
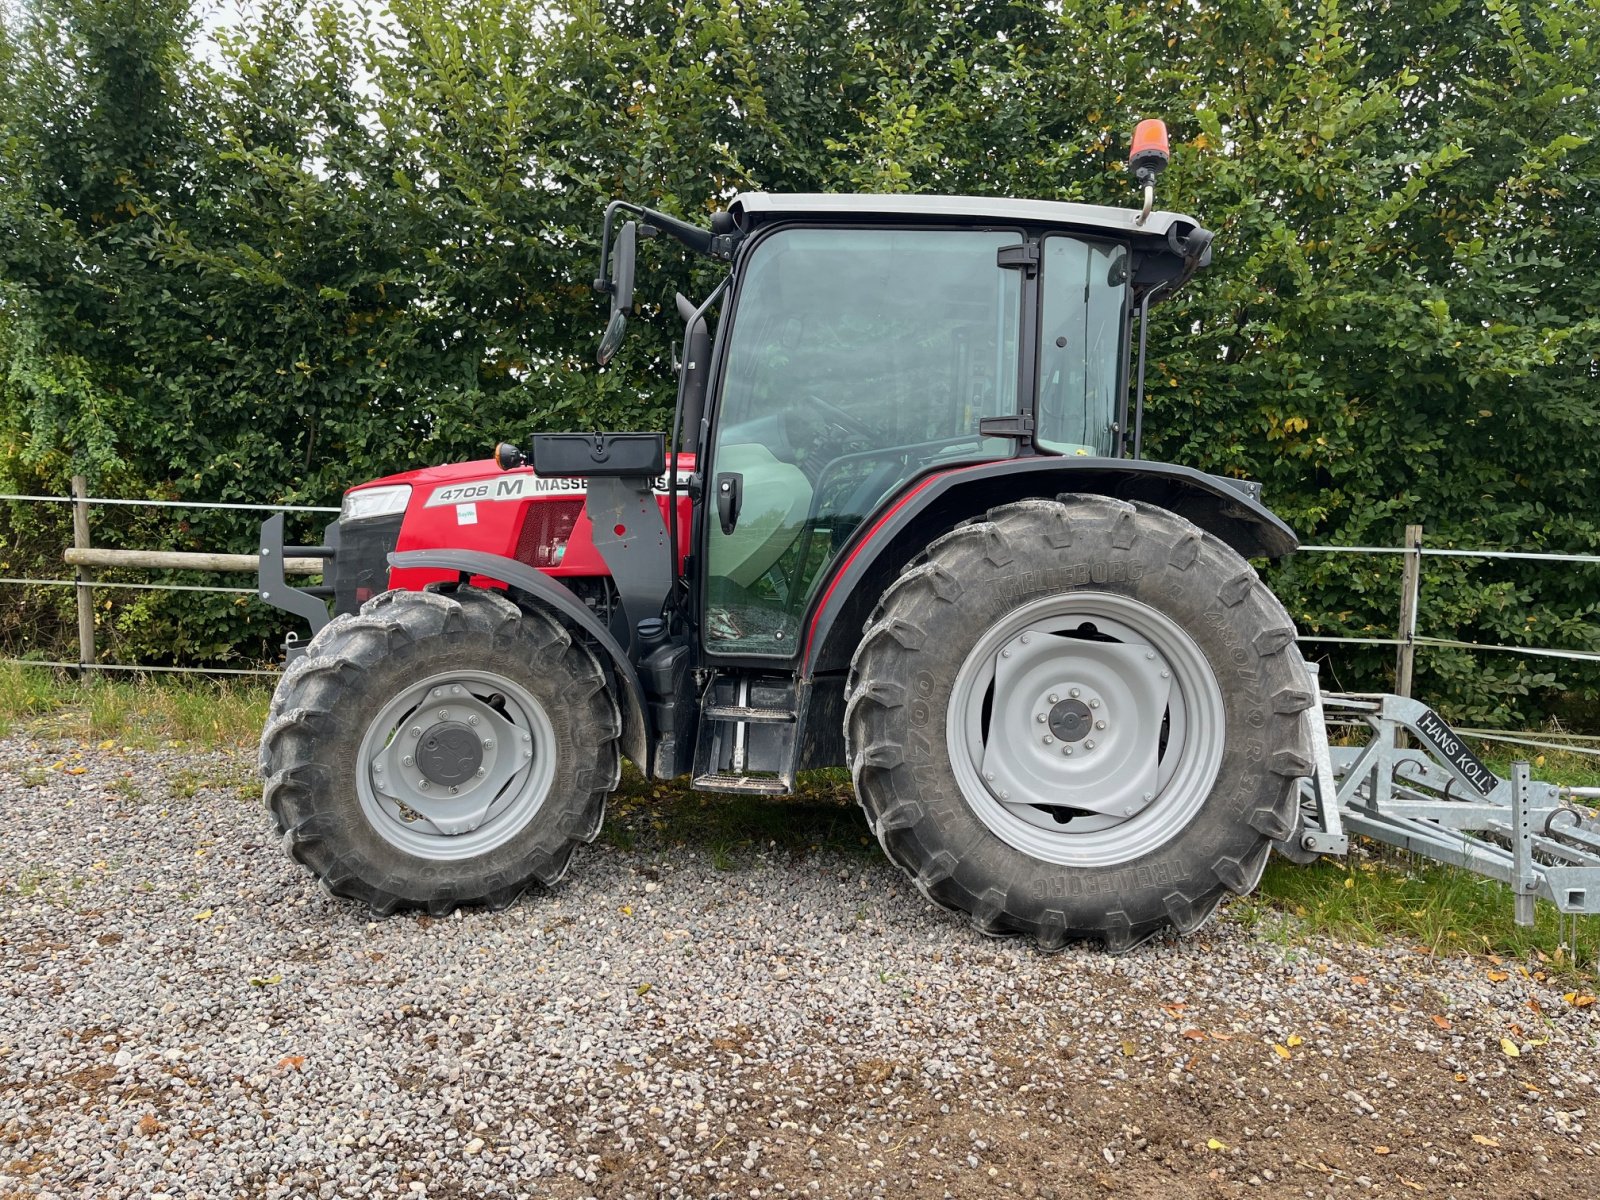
(1054, 698)
(1099, 724)
(1048, 740)
(406, 761)
(1166, 674)
(1067, 750)
(416, 731)
(1005, 654)
(1149, 796)
(1089, 745)
(1094, 704)
(1149, 655)
(1040, 718)
(1024, 639)
(1074, 693)
(472, 720)
(423, 785)
(455, 691)
(444, 714)
(480, 772)
(454, 790)
(989, 775)
(488, 743)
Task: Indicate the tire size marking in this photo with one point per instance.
(1123, 882)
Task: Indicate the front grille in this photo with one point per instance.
(362, 569)
(546, 526)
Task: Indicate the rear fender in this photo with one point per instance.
(548, 593)
(928, 506)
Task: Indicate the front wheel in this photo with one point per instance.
(1079, 718)
(440, 749)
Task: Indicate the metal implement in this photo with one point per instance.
(1440, 801)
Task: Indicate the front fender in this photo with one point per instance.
(933, 503)
(543, 590)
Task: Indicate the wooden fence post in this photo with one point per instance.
(85, 593)
(1411, 583)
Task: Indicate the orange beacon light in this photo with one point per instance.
(1147, 158)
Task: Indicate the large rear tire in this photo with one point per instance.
(1079, 718)
(440, 749)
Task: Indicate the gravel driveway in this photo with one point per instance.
(184, 1013)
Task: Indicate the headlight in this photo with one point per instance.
(375, 502)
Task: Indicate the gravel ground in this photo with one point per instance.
(183, 1013)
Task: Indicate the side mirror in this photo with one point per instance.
(623, 255)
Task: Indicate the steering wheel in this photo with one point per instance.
(823, 432)
(848, 424)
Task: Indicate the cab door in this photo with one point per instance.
(856, 358)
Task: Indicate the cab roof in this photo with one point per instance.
(998, 209)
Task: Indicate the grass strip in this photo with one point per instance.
(137, 711)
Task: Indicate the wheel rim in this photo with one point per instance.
(1085, 729)
(456, 765)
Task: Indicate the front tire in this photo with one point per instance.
(440, 749)
(1079, 718)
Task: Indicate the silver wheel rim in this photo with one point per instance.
(455, 765)
(1062, 680)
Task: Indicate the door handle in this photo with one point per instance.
(730, 495)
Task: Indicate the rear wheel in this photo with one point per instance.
(1079, 718)
(440, 749)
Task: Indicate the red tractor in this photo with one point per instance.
(906, 527)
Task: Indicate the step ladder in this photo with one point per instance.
(747, 738)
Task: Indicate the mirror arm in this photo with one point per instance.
(701, 241)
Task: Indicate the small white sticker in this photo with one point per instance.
(466, 514)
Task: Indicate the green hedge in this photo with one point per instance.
(313, 249)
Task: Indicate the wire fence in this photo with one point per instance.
(1406, 639)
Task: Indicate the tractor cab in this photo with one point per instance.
(870, 340)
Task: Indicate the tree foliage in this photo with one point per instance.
(326, 245)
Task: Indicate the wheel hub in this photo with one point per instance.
(453, 759)
(449, 753)
(1102, 704)
(1070, 721)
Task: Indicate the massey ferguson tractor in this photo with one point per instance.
(905, 526)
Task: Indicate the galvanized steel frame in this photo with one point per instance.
(1435, 800)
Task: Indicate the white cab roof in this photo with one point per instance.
(997, 209)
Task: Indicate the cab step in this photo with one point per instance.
(747, 736)
(735, 712)
(749, 785)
